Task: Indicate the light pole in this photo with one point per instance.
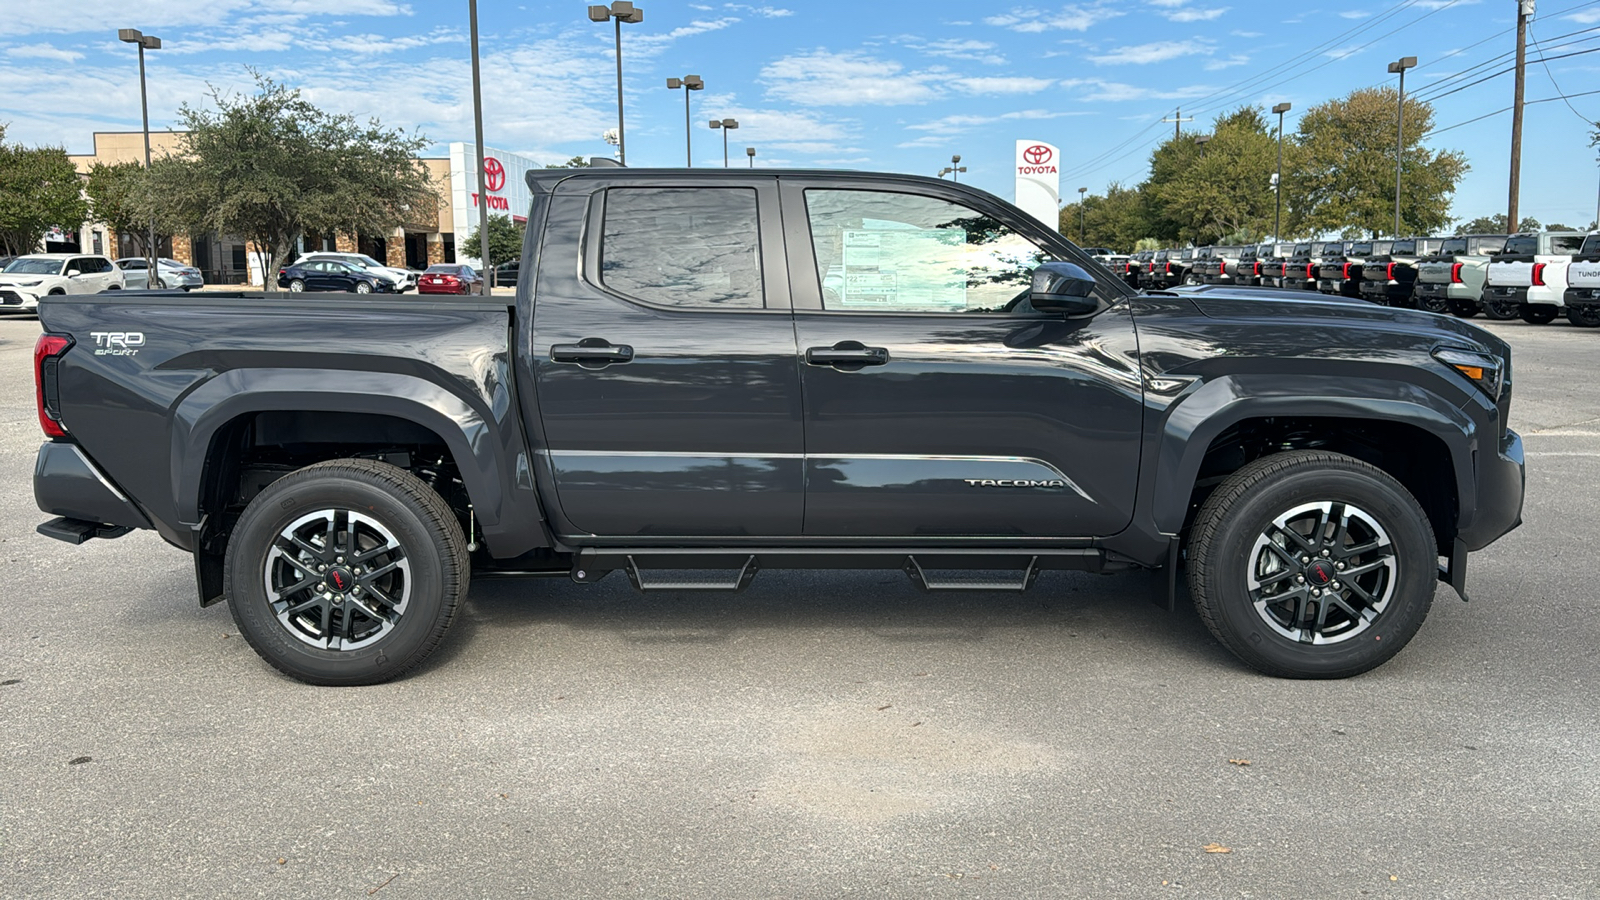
(751, 152)
(152, 276)
(1399, 67)
(1081, 192)
(953, 170)
(477, 124)
(725, 126)
(621, 11)
(1277, 180)
(688, 83)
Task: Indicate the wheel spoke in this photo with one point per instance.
(1292, 536)
(380, 596)
(1371, 546)
(1351, 611)
(1270, 580)
(296, 566)
(376, 552)
(1364, 568)
(288, 543)
(375, 574)
(1343, 519)
(303, 605)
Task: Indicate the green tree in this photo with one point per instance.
(1345, 171)
(39, 189)
(1118, 219)
(505, 241)
(1495, 224)
(114, 191)
(271, 166)
(577, 162)
(1204, 192)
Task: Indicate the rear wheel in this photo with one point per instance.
(1500, 310)
(1310, 564)
(296, 286)
(1465, 309)
(1584, 316)
(1537, 313)
(346, 572)
(1434, 304)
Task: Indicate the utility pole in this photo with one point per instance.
(1524, 13)
(1177, 121)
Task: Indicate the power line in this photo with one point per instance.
(1432, 97)
(1506, 110)
(1552, 77)
(1476, 69)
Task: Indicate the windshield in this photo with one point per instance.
(1522, 246)
(26, 266)
(1302, 249)
(1454, 247)
(1591, 245)
(1362, 249)
(1404, 247)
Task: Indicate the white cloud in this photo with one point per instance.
(1354, 14)
(957, 48)
(1159, 51)
(1343, 52)
(1016, 84)
(1116, 92)
(824, 78)
(44, 51)
(1588, 17)
(651, 41)
(1168, 3)
(1197, 15)
(1246, 34)
(1237, 59)
(957, 124)
(768, 12)
(80, 16)
(1070, 18)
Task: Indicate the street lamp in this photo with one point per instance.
(1081, 192)
(751, 152)
(725, 126)
(1277, 180)
(621, 11)
(152, 276)
(688, 83)
(1399, 67)
(477, 124)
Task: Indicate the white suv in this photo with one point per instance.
(27, 278)
(403, 279)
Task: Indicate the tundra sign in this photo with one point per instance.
(1039, 181)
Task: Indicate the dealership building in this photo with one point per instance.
(226, 259)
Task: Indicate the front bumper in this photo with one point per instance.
(1502, 482)
(66, 483)
(17, 298)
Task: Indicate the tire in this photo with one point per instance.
(1537, 313)
(418, 570)
(1584, 316)
(362, 287)
(1440, 305)
(297, 286)
(1500, 310)
(1237, 565)
(1464, 309)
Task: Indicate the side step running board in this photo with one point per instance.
(972, 579)
(76, 531)
(694, 581)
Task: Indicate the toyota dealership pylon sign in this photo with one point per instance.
(1039, 181)
(505, 187)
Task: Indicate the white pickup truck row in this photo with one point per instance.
(1538, 277)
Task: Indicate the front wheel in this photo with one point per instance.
(363, 288)
(346, 572)
(1584, 316)
(1310, 564)
(1537, 313)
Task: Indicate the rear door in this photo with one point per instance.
(664, 355)
(937, 400)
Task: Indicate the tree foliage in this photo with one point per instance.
(505, 241)
(39, 189)
(1117, 219)
(1495, 224)
(114, 191)
(1222, 188)
(271, 166)
(577, 162)
(1345, 171)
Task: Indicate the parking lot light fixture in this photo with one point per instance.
(620, 11)
(1277, 181)
(725, 126)
(1081, 192)
(145, 42)
(751, 152)
(1399, 67)
(687, 83)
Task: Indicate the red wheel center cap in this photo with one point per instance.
(1320, 572)
(341, 579)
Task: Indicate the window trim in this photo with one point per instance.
(593, 239)
(802, 253)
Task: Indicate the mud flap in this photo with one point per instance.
(1454, 570)
(1164, 591)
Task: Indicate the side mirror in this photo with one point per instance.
(73, 273)
(1065, 288)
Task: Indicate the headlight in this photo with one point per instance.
(29, 283)
(1483, 370)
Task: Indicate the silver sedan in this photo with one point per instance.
(169, 274)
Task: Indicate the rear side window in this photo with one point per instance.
(1567, 243)
(1591, 245)
(1487, 246)
(1404, 247)
(1522, 246)
(686, 247)
(1454, 248)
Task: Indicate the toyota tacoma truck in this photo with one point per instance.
(703, 376)
(1529, 278)
(1300, 271)
(1454, 278)
(1583, 285)
(1390, 279)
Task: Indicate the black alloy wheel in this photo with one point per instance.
(1310, 564)
(1537, 313)
(1435, 304)
(1501, 309)
(1462, 309)
(346, 572)
(1584, 316)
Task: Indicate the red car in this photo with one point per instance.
(450, 278)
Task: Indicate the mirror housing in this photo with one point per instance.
(73, 273)
(1063, 287)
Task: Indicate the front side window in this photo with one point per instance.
(885, 252)
(684, 247)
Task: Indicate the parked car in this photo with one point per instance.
(1454, 278)
(1155, 270)
(333, 275)
(27, 278)
(1300, 270)
(450, 278)
(1133, 269)
(403, 279)
(1198, 264)
(169, 273)
(1389, 279)
(338, 477)
(1529, 277)
(1583, 285)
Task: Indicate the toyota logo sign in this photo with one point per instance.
(1037, 155)
(494, 174)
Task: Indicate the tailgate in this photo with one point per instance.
(1584, 275)
(1435, 272)
(1511, 274)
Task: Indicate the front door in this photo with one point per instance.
(938, 401)
(664, 355)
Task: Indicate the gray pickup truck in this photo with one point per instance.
(706, 375)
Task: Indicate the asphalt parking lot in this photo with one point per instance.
(816, 736)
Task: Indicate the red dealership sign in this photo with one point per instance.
(494, 174)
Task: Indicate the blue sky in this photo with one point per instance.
(866, 84)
